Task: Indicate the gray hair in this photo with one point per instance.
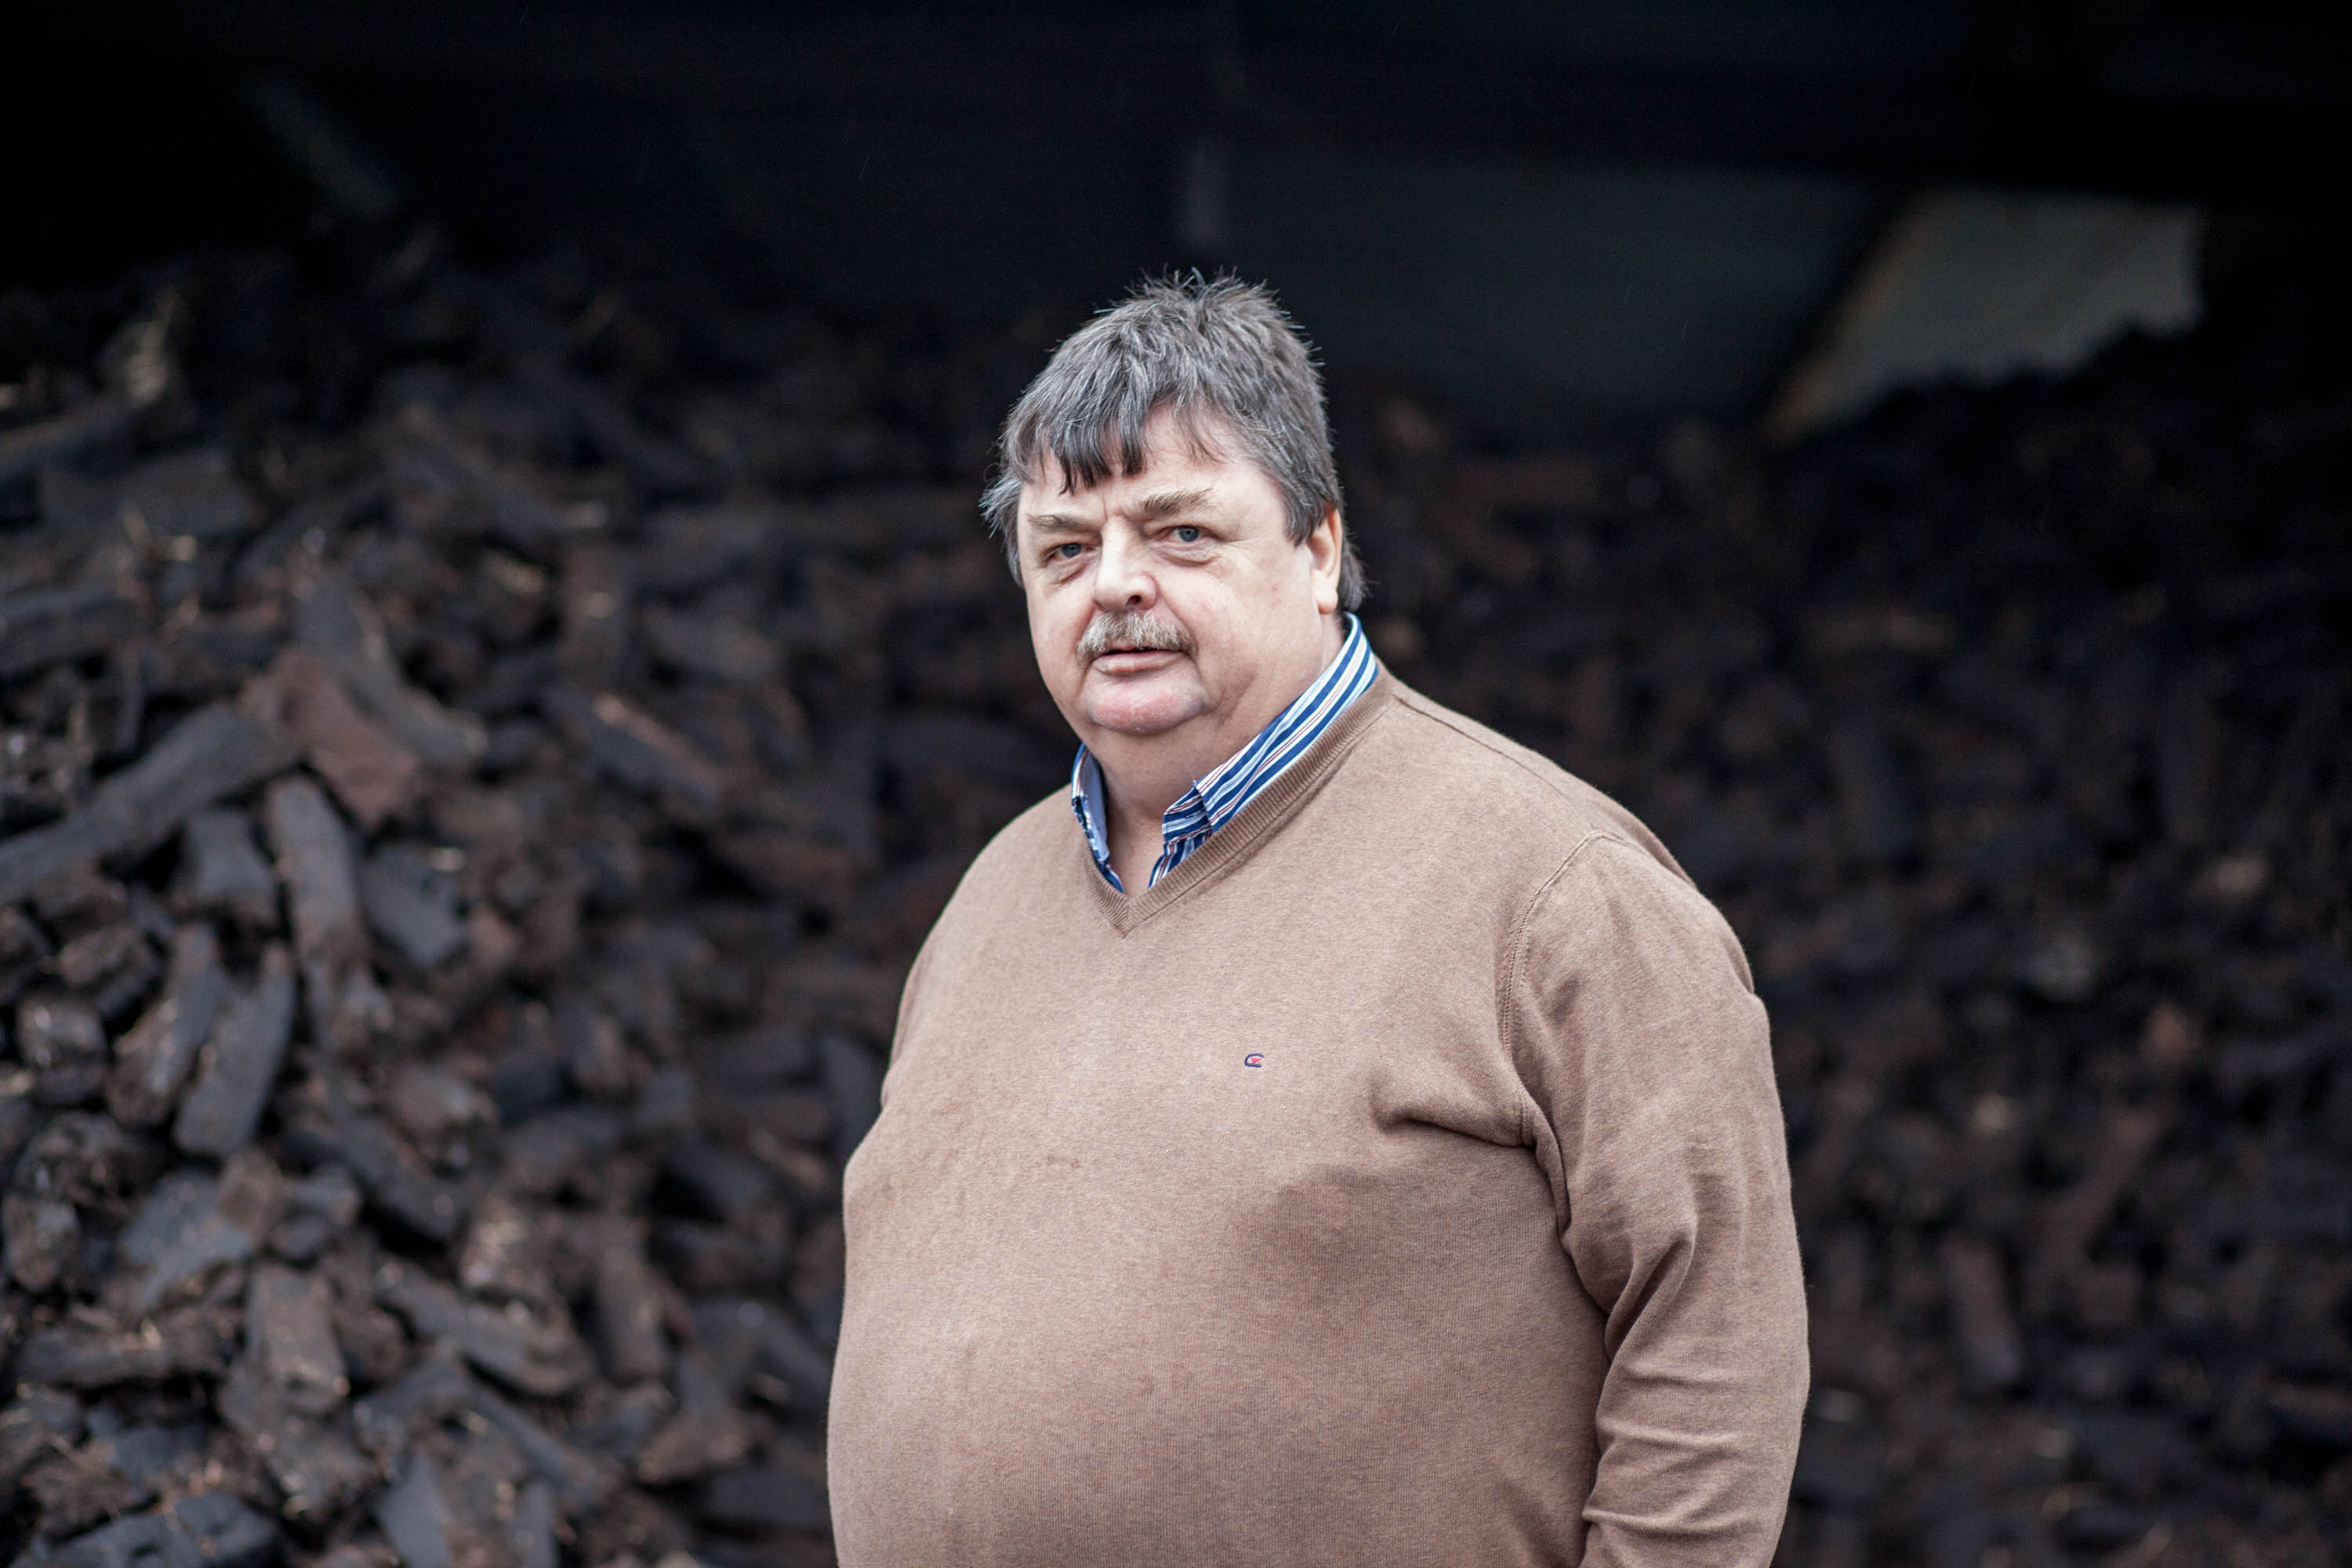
(1209, 351)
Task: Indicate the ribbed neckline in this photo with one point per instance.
(1250, 826)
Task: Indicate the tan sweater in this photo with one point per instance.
(1399, 1180)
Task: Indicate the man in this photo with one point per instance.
(1351, 1139)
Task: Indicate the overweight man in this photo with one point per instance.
(1328, 1132)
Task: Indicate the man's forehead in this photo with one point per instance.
(1171, 478)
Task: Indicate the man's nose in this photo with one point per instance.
(1123, 579)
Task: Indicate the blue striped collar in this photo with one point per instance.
(1216, 799)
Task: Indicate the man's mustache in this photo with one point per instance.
(1128, 630)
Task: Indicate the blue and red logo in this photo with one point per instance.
(1255, 1059)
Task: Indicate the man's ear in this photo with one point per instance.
(1327, 551)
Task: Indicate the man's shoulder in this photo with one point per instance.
(1467, 767)
(1595, 867)
(1024, 853)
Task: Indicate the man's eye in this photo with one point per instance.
(1066, 552)
(1185, 533)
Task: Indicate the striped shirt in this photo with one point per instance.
(1214, 801)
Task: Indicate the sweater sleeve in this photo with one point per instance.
(1636, 1029)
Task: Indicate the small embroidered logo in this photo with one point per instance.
(1255, 1059)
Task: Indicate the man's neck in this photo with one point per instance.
(1136, 811)
(1143, 777)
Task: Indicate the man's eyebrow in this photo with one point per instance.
(1150, 508)
(1169, 503)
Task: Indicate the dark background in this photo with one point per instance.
(2005, 714)
(1554, 215)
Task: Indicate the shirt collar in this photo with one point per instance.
(1218, 796)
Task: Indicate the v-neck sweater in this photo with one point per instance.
(1399, 1179)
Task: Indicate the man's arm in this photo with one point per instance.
(1634, 1024)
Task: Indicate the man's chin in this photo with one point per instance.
(1140, 713)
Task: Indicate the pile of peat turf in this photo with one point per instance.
(479, 750)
